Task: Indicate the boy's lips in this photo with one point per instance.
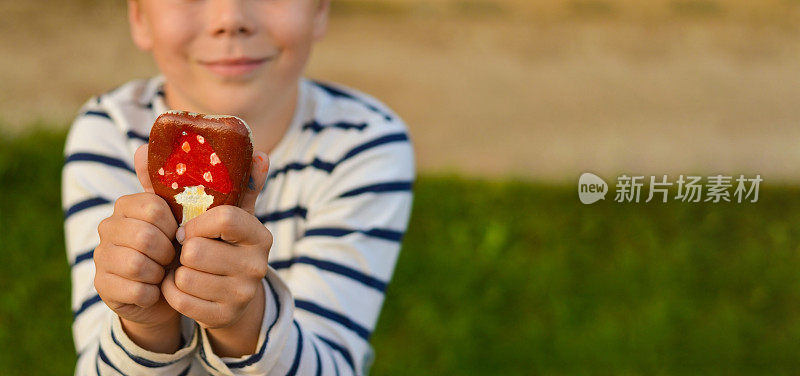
(235, 66)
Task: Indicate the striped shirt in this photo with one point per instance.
(337, 201)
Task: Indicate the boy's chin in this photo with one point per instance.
(233, 100)
(228, 107)
(252, 96)
(240, 99)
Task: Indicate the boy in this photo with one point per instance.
(327, 207)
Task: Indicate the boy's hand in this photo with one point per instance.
(135, 246)
(223, 260)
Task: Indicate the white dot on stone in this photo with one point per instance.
(174, 185)
(214, 159)
(207, 176)
(180, 168)
(161, 171)
(200, 139)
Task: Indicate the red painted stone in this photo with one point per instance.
(213, 151)
(192, 167)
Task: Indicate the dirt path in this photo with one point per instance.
(496, 95)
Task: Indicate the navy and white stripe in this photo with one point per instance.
(334, 316)
(85, 204)
(297, 211)
(393, 186)
(380, 233)
(260, 353)
(333, 267)
(102, 356)
(81, 257)
(328, 166)
(92, 300)
(316, 127)
(138, 359)
(99, 159)
(339, 92)
(337, 202)
(298, 352)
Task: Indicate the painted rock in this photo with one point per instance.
(197, 162)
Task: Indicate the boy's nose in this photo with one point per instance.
(229, 17)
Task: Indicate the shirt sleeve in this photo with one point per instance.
(323, 307)
(98, 169)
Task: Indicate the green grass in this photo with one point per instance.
(512, 278)
(35, 315)
(494, 278)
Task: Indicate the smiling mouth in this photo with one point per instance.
(234, 67)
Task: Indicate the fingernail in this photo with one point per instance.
(262, 158)
(180, 235)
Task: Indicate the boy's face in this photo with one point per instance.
(228, 56)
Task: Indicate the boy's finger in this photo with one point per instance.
(131, 264)
(190, 306)
(144, 237)
(205, 286)
(140, 165)
(231, 224)
(258, 176)
(149, 208)
(213, 256)
(118, 289)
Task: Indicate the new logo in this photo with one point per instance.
(591, 188)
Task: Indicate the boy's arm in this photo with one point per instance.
(96, 172)
(338, 272)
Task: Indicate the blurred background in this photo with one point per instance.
(503, 271)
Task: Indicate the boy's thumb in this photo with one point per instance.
(258, 177)
(140, 165)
